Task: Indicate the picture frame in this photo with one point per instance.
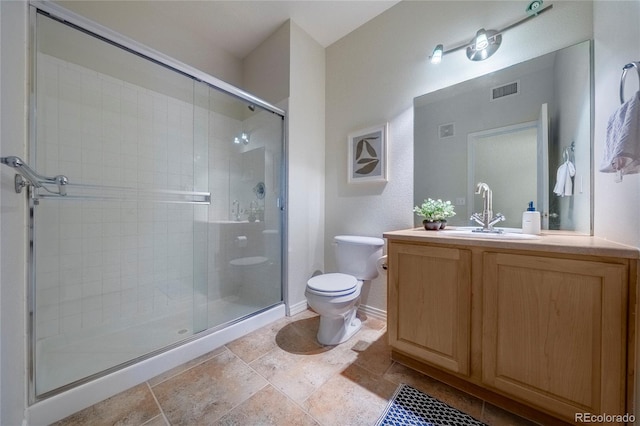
(367, 154)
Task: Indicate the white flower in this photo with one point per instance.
(433, 210)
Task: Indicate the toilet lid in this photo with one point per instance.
(332, 284)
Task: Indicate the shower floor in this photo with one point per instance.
(61, 360)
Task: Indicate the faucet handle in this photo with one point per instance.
(477, 217)
(497, 218)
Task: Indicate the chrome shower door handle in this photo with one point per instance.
(30, 176)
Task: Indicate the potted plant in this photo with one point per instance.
(435, 213)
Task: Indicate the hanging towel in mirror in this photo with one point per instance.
(622, 144)
(564, 187)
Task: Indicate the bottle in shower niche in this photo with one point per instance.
(531, 220)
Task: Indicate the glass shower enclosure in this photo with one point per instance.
(169, 224)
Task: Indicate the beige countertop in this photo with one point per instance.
(549, 241)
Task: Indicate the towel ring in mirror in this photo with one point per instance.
(624, 75)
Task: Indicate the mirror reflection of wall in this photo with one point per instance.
(514, 183)
(560, 79)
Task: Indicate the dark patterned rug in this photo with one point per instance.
(410, 407)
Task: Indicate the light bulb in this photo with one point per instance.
(481, 40)
(436, 57)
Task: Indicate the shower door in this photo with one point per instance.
(170, 225)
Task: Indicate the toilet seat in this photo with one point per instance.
(332, 285)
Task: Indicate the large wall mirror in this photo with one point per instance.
(519, 130)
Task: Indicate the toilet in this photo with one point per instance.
(335, 296)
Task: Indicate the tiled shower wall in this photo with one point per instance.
(112, 263)
(234, 171)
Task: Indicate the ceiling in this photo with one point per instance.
(239, 26)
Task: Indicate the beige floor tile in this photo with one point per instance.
(257, 343)
(307, 326)
(267, 407)
(354, 397)
(206, 392)
(181, 368)
(132, 407)
(495, 416)
(157, 421)
(299, 366)
(296, 340)
(298, 375)
(283, 334)
(464, 402)
(271, 376)
(374, 354)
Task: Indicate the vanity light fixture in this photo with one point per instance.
(483, 45)
(487, 42)
(436, 56)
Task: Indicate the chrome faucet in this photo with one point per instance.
(486, 218)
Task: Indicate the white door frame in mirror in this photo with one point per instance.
(517, 145)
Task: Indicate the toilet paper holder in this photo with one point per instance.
(381, 263)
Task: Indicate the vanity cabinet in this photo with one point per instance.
(544, 330)
(429, 316)
(554, 332)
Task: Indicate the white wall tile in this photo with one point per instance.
(70, 298)
(91, 319)
(115, 260)
(71, 324)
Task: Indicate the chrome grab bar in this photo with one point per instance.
(34, 178)
(87, 192)
(83, 192)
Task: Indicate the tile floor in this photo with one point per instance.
(280, 375)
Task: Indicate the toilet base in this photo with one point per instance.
(336, 330)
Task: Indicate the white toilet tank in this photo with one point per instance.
(357, 256)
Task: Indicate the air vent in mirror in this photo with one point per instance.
(509, 89)
(446, 130)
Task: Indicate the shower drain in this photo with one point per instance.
(184, 330)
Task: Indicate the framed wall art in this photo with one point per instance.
(367, 159)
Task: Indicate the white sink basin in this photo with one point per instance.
(506, 234)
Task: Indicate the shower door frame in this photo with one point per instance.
(91, 28)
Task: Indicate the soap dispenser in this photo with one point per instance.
(531, 220)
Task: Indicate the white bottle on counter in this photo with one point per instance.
(531, 220)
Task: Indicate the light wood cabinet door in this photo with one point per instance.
(430, 304)
(554, 332)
